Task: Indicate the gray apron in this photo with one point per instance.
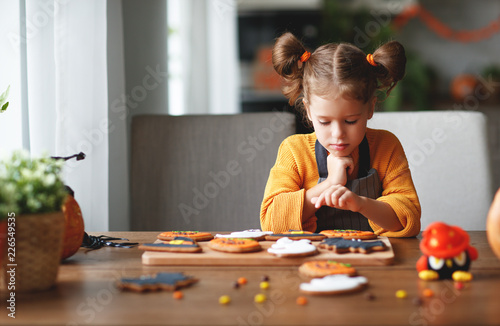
(367, 184)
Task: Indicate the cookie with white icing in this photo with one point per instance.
(286, 247)
(334, 284)
(255, 234)
(296, 235)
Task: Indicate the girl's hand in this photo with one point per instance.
(339, 197)
(338, 169)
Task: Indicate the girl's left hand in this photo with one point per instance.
(339, 197)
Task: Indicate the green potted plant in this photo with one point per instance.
(32, 194)
(3, 100)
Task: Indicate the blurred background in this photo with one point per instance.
(79, 71)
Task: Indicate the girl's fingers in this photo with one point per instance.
(319, 201)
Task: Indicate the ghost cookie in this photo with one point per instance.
(161, 281)
(334, 284)
(195, 235)
(321, 268)
(234, 245)
(339, 245)
(286, 247)
(350, 234)
(255, 234)
(296, 235)
(178, 244)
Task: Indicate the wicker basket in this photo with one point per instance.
(38, 247)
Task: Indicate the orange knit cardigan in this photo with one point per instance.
(296, 170)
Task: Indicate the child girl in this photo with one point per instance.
(344, 175)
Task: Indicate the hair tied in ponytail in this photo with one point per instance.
(305, 56)
(369, 58)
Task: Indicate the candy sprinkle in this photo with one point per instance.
(401, 294)
(177, 295)
(301, 301)
(428, 293)
(225, 299)
(259, 298)
(242, 280)
(264, 285)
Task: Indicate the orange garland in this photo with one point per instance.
(441, 29)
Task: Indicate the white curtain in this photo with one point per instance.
(208, 56)
(66, 98)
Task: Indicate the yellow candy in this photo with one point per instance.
(259, 298)
(264, 285)
(462, 276)
(428, 275)
(401, 294)
(225, 299)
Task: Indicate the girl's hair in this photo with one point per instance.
(336, 69)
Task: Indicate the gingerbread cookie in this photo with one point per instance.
(195, 235)
(340, 245)
(255, 234)
(350, 234)
(161, 281)
(235, 245)
(296, 235)
(286, 247)
(321, 268)
(334, 284)
(179, 244)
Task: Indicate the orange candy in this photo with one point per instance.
(428, 293)
(242, 280)
(177, 295)
(301, 301)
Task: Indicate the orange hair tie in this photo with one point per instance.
(304, 57)
(369, 58)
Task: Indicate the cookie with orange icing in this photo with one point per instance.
(321, 268)
(195, 235)
(349, 234)
(235, 245)
(178, 244)
(296, 235)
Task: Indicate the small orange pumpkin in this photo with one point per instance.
(74, 229)
(493, 225)
(463, 86)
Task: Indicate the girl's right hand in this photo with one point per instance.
(338, 169)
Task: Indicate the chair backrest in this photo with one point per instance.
(203, 172)
(449, 161)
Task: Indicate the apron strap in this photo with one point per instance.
(364, 159)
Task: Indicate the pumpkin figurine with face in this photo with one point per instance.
(447, 253)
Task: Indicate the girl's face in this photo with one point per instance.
(340, 122)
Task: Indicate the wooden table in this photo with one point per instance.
(86, 294)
